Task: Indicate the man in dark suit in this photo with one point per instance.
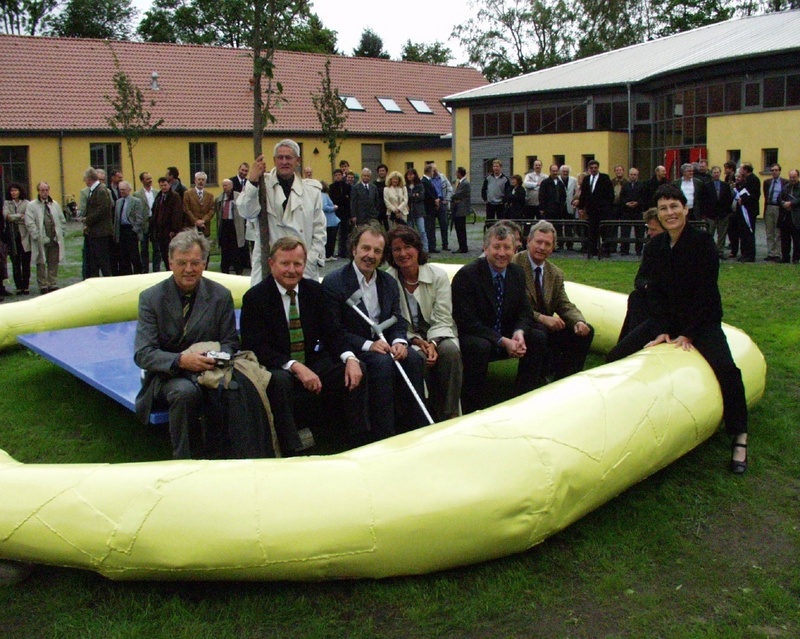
(364, 200)
(461, 204)
(717, 201)
(651, 186)
(173, 315)
(494, 318)
(631, 206)
(747, 199)
(392, 409)
(240, 178)
(129, 217)
(597, 203)
(772, 199)
(168, 218)
(692, 188)
(432, 203)
(340, 195)
(553, 197)
(286, 323)
(562, 336)
(98, 226)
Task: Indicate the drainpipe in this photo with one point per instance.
(61, 168)
(630, 127)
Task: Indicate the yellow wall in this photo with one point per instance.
(753, 132)
(154, 154)
(609, 148)
(461, 137)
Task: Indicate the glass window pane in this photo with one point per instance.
(519, 122)
(478, 125)
(774, 92)
(534, 120)
(390, 105)
(733, 96)
(752, 94)
(420, 106)
(505, 122)
(793, 90)
(716, 98)
(491, 123)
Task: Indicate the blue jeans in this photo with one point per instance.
(418, 223)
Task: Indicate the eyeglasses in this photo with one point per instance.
(185, 263)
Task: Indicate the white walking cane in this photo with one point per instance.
(378, 329)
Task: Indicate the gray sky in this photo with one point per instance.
(418, 20)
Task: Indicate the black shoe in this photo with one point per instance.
(433, 251)
(738, 467)
(745, 259)
(786, 261)
(44, 291)
(461, 251)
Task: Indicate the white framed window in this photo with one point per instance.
(420, 106)
(389, 105)
(352, 103)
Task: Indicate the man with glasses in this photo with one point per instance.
(176, 313)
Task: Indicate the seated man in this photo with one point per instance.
(637, 300)
(494, 318)
(286, 323)
(380, 302)
(174, 314)
(562, 336)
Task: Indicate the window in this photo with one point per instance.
(389, 105)
(642, 111)
(735, 156)
(409, 166)
(491, 123)
(549, 120)
(716, 98)
(792, 90)
(203, 157)
(602, 116)
(560, 160)
(105, 156)
(774, 92)
(529, 160)
(619, 116)
(534, 121)
(519, 122)
(769, 157)
(478, 125)
(752, 94)
(585, 159)
(420, 106)
(505, 122)
(14, 162)
(733, 96)
(352, 103)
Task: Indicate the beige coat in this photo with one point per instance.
(15, 214)
(435, 301)
(34, 220)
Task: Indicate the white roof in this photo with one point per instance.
(724, 41)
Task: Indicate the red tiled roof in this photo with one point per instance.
(59, 84)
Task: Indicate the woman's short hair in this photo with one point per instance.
(23, 194)
(408, 236)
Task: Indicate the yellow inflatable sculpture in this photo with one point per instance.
(473, 488)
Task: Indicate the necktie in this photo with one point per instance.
(594, 179)
(187, 309)
(716, 186)
(296, 339)
(772, 192)
(498, 302)
(537, 277)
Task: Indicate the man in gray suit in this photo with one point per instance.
(98, 225)
(173, 315)
(129, 217)
(364, 200)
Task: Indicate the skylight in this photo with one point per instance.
(420, 106)
(352, 103)
(390, 105)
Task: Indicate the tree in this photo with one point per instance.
(435, 53)
(131, 119)
(371, 46)
(507, 38)
(683, 15)
(101, 19)
(331, 113)
(605, 25)
(229, 23)
(309, 35)
(25, 17)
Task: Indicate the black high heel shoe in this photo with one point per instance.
(738, 467)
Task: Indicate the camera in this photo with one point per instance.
(220, 357)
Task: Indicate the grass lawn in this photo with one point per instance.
(691, 552)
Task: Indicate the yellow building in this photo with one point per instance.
(725, 92)
(55, 126)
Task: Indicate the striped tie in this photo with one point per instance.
(298, 348)
(498, 302)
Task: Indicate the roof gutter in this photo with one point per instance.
(61, 169)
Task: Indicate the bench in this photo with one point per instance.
(102, 356)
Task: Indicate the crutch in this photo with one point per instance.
(378, 329)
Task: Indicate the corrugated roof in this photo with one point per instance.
(724, 41)
(53, 84)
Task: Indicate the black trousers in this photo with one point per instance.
(290, 402)
(478, 352)
(494, 211)
(460, 225)
(711, 343)
(98, 260)
(21, 265)
(126, 258)
(565, 351)
(790, 234)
